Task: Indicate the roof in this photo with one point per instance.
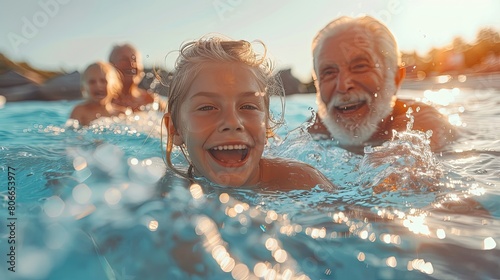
(62, 87)
(14, 78)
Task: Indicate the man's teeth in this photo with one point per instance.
(346, 107)
(350, 106)
(230, 147)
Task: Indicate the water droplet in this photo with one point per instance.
(54, 206)
(489, 243)
(82, 193)
(153, 225)
(112, 196)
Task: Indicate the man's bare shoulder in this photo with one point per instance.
(403, 105)
(146, 96)
(426, 117)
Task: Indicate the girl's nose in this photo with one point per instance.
(231, 121)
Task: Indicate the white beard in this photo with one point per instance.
(356, 132)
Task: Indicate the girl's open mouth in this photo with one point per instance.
(229, 154)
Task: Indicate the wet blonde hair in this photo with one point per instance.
(384, 42)
(193, 55)
(114, 82)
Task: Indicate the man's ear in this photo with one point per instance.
(400, 76)
(172, 132)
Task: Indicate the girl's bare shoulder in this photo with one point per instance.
(292, 174)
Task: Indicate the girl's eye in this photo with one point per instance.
(249, 107)
(206, 108)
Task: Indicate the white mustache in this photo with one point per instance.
(339, 100)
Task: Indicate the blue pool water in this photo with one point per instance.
(95, 204)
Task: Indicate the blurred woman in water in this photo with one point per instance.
(100, 84)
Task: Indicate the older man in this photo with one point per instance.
(357, 76)
(128, 61)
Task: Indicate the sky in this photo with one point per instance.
(68, 35)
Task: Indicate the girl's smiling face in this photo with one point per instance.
(222, 122)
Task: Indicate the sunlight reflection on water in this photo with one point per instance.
(107, 182)
(443, 97)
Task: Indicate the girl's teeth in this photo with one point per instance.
(230, 147)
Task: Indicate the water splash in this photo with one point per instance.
(405, 163)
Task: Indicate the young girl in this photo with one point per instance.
(100, 85)
(218, 114)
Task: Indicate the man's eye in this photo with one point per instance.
(360, 67)
(328, 73)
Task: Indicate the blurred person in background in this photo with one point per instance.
(101, 84)
(129, 63)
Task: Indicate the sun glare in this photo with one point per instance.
(442, 97)
(416, 224)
